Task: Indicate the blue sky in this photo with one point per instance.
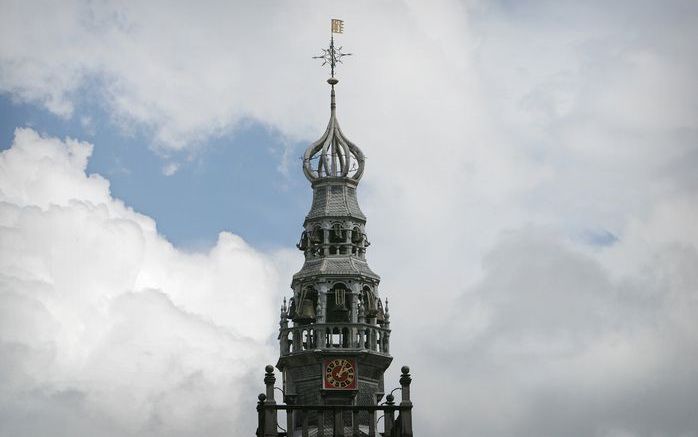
(530, 191)
(234, 183)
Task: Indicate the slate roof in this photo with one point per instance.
(341, 265)
(335, 201)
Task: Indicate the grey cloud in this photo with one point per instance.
(548, 343)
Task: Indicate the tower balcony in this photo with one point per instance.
(335, 337)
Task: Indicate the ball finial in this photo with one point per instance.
(269, 368)
(405, 370)
(262, 397)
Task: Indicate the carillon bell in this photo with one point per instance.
(370, 303)
(316, 236)
(303, 243)
(307, 311)
(380, 314)
(356, 236)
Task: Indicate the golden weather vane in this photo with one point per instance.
(333, 55)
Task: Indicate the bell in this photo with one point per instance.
(316, 236)
(380, 314)
(303, 243)
(356, 236)
(370, 303)
(306, 312)
(338, 234)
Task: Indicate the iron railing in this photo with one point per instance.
(335, 420)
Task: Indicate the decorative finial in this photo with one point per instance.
(319, 316)
(333, 155)
(333, 55)
(284, 313)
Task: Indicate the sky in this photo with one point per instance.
(530, 189)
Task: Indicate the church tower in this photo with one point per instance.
(335, 330)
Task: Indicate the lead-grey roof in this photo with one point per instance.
(335, 201)
(335, 266)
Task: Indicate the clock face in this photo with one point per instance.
(339, 374)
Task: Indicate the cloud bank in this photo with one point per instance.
(551, 342)
(105, 327)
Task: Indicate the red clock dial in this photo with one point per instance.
(339, 374)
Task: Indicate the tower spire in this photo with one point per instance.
(333, 155)
(334, 346)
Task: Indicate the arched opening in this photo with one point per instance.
(305, 339)
(336, 339)
(338, 234)
(338, 303)
(316, 240)
(289, 339)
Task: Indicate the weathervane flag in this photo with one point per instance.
(337, 26)
(332, 55)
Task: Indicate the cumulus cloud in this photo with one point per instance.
(105, 327)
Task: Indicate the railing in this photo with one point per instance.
(357, 336)
(335, 420)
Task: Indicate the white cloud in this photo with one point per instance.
(105, 319)
(185, 75)
(170, 168)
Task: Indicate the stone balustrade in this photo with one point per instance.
(328, 336)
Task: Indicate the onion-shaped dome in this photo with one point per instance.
(333, 155)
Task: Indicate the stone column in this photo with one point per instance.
(389, 417)
(406, 404)
(270, 414)
(321, 315)
(355, 293)
(354, 317)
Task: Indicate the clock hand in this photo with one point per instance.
(344, 369)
